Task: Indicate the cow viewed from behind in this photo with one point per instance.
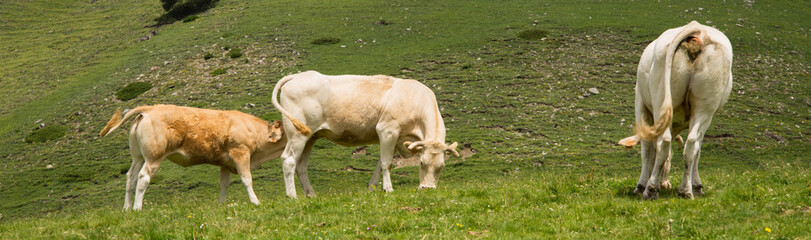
(684, 78)
(399, 114)
(187, 136)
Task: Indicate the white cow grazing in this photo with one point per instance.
(353, 110)
(187, 136)
(684, 77)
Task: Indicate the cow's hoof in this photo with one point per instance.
(686, 194)
(666, 184)
(698, 190)
(650, 193)
(639, 189)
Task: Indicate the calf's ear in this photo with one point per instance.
(277, 124)
(452, 149)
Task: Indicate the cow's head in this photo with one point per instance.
(275, 131)
(432, 159)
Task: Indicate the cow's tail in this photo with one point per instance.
(689, 38)
(118, 119)
(300, 127)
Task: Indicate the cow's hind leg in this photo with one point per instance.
(691, 184)
(662, 154)
(292, 152)
(242, 160)
(648, 157)
(225, 180)
(301, 168)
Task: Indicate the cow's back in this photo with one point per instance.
(346, 109)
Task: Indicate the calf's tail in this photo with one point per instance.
(117, 119)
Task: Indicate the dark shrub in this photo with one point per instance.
(190, 18)
(132, 90)
(180, 9)
(326, 40)
(50, 132)
(208, 56)
(219, 71)
(533, 34)
(168, 4)
(235, 53)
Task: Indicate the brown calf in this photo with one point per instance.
(187, 136)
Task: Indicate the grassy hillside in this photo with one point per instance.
(545, 163)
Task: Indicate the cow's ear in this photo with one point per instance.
(452, 149)
(414, 147)
(277, 124)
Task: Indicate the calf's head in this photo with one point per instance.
(275, 132)
(432, 159)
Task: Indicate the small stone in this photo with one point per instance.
(49, 166)
(774, 136)
(594, 91)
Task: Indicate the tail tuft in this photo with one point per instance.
(650, 133)
(300, 127)
(112, 123)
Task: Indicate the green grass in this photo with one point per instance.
(190, 18)
(541, 142)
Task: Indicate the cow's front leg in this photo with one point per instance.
(225, 180)
(373, 183)
(388, 140)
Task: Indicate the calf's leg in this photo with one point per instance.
(242, 160)
(225, 180)
(132, 179)
(147, 171)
